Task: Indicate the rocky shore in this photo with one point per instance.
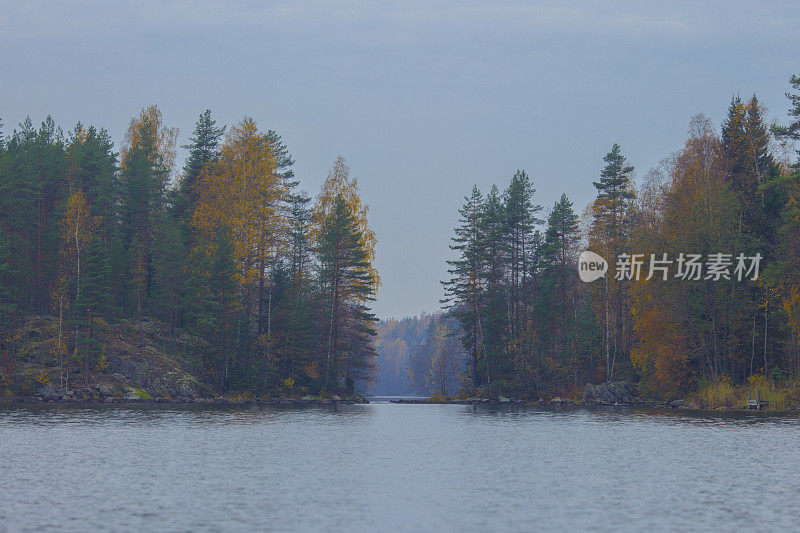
(151, 365)
(612, 393)
(137, 398)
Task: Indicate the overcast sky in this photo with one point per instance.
(423, 99)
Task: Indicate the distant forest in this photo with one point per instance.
(227, 249)
(419, 355)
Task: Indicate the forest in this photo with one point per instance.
(277, 285)
(531, 328)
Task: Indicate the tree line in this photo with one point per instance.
(531, 327)
(227, 249)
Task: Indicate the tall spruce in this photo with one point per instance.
(348, 286)
(464, 291)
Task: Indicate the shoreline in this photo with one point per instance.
(183, 401)
(17, 400)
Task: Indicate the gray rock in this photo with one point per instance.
(676, 403)
(610, 393)
(336, 398)
(49, 392)
(118, 377)
(188, 389)
(130, 394)
(105, 390)
(503, 399)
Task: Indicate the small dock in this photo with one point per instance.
(756, 403)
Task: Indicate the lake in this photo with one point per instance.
(394, 467)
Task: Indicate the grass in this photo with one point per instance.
(437, 397)
(721, 394)
(142, 394)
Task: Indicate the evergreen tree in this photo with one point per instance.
(521, 221)
(348, 285)
(611, 229)
(95, 297)
(144, 175)
(494, 237)
(299, 339)
(8, 310)
(203, 148)
(561, 239)
(222, 304)
(283, 159)
(464, 291)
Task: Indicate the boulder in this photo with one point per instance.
(49, 392)
(610, 393)
(131, 394)
(503, 399)
(677, 403)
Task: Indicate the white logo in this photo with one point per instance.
(591, 266)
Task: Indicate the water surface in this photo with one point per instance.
(393, 467)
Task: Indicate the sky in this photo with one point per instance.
(423, 99)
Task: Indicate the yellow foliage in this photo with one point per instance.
(766, 390)
(311, 370)
(147, 129)
(337, 183)
(243, 191)
(102, 362)
(436, 397)
(660, 356)
(77, 224)
(720, 393)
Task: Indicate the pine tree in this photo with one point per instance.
(8, 312)
(561, 238)
(92, 167)
(298, 344)
(222, 304)
(283, 159)
(610, 230)
(464, 291)
(147, 161)
(494, 323)
(346, 277)
(203, 148)
(96, 300)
